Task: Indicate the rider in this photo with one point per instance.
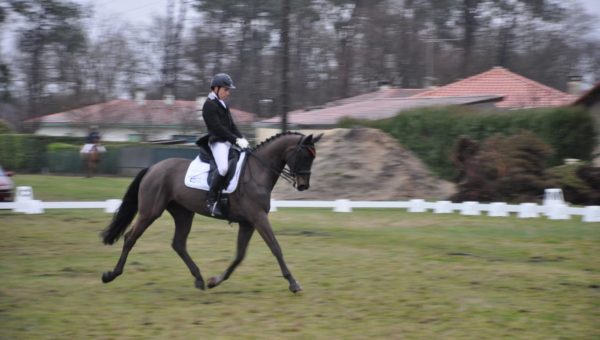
(222, 133)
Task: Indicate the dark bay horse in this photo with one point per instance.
(91, 160)
(162, 187)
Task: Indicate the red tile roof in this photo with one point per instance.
(373, 108)
(518, 91)
(124, 111)
(390, 92)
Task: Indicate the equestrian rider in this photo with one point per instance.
(222, 133)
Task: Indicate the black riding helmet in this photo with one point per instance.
(222, 80)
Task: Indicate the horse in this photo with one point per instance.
(161, 187)
(91, 157)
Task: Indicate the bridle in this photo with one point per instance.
(289, 174)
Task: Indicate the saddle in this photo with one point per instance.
(207, 157)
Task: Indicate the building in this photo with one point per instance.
(517, 91)
(129, 120)
(384, 103)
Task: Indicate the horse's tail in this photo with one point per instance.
(123, 217)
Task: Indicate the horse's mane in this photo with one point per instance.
(270, 139)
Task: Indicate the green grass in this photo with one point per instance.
(368, 274)
(63, 188)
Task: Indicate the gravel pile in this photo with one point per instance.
(366, 164)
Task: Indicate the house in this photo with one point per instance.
(518, 92)
(384, 103)
(131, 120)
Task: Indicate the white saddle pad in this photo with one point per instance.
(197, 175)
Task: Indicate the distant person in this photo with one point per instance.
(222, 134)
(93, 136)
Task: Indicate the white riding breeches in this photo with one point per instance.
(220, 151)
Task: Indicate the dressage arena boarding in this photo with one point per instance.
(555, 210)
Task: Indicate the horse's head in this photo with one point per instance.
(301, 159)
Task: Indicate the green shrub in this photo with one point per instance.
(579, 182)
(5, 127)
(63, 146)
(27, 153)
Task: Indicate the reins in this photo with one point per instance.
(287, 174)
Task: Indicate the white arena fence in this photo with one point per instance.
(554, 210)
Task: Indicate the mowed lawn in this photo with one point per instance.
(376, 274)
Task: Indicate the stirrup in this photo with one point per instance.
(214, 210)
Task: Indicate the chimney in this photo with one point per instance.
(140, 97)
(169, 99)
(574, 85)
(383, 85)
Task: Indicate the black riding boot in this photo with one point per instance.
(213, 195)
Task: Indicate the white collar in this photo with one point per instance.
(213, 95)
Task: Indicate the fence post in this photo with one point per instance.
(342, 206)
(498, 209)
(443, 207)
(273, 206)
(416, 205)
(112, 206)
(24, 202)
(528, 210)
(558, 211)
(591, 214)
(470, 208)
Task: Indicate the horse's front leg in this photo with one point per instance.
(244, 235)
(263, 226)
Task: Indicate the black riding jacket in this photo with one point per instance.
(219, 123)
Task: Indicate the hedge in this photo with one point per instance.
(27, 153)
(431, 132)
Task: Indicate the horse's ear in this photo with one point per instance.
(316, 139)
(307, 140)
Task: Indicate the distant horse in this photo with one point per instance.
(162, 187)
(91, 157)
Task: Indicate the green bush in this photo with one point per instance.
(431, 132)
(27, 153)
(579, 182)
(63, 146)
(5, 127)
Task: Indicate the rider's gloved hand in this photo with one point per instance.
(242, 143)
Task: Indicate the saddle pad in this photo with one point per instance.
(197, 175)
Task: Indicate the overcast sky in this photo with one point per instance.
(142, 10)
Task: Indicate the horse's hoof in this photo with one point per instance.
(107, 277)
(213, 282)
(295, 288)
(200, 284)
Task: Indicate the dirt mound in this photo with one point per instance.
(366, 164)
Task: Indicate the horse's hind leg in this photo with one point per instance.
(244, 235)
(183, 224)
(142, 223)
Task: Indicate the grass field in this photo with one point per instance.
(368, 274)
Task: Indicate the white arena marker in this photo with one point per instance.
(498, 209)
(342, 206)
(443, 207)
(528, 210)
(592, 214)
(416, 205)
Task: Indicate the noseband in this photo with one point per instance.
(300, 146)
